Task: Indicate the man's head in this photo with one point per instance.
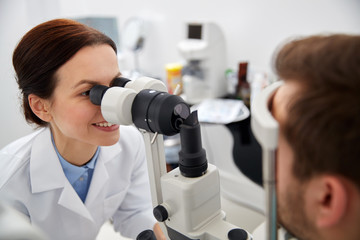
(318, 110)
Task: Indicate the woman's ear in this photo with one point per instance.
(328, 201)
(40, 107)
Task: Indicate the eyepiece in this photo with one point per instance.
(192, 157)
(120, 82)
(96, 93)
(146, 235)
(160, 112)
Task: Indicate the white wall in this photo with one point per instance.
(253, 29)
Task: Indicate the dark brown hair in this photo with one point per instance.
(43, 50)
(323, 124)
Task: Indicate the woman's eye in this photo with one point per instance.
(86, 93)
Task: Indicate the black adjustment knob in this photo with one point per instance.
(146, 235)
(160, 213)
(237, 234)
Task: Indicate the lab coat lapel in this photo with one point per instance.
(70, 200)
(46, 174)
(101, 175)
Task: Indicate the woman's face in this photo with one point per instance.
(74, 119)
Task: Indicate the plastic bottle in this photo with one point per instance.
(232, 82)
(173, 76)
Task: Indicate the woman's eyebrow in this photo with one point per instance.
(85, 81)
(92, 82)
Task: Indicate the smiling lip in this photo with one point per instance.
(106, 126)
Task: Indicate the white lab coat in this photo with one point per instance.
(31, 177)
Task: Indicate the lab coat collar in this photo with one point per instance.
(101, 175)
(43, 156)
(46, 174)
(99, 179)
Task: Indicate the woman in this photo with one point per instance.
(76, 172)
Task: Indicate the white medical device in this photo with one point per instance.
(186, 200)
(205, 54)
(266, 130)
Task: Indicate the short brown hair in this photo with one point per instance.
(323, 124)
(43, 50)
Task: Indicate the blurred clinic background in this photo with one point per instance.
(252, 30)
(238, 39)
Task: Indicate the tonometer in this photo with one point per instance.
(186, 200)
(266, 131)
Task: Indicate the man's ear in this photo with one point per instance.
(328, 200)
(40, 107)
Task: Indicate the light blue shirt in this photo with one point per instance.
(78, 176)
